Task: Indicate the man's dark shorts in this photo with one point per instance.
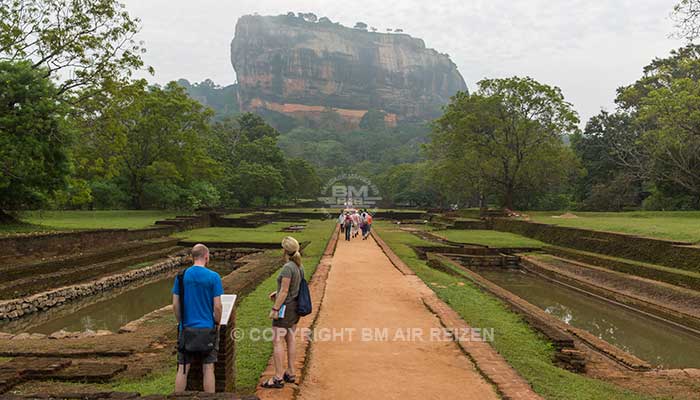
(204, 358)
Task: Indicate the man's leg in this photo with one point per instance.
(181, 378)
(209, 380)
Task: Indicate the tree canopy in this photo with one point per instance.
(85, 42)
(506, 139)
(34, 137)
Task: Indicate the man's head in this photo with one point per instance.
(200, 254)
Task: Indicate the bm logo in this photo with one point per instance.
(339, 193)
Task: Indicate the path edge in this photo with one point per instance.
(487, 361)
(317, 287)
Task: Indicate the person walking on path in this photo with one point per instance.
(363, 223)
(347, 226)
(355, 223)
(197, 295)
(284, 314)
(368, 226)
(341, 221)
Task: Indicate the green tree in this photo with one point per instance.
(247, 143)
(220, 99)
(302, 180)
(508, 135)
(82, 42)
(262, 151)
(33, 138)
(612, 153)
(373, 120)
(411, 185)
(253, 180)
(361, 25)
(664, 104)
(673, 115)
(254, 127)
(149, 135)
(686, 15)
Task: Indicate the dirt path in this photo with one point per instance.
(363, 291)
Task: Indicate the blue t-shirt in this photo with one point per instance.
(201, 287)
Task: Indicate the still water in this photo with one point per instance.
(660, 344)
(109, 311)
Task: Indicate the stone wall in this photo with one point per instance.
(656, 251)
(62, 243)
(422, 251)
(16, 308)
(497, 261)
(219, 220)
(469, 224)
(678, 278)
(186, 222)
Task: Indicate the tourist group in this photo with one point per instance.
(353, 222)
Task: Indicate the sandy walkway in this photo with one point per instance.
(364, 290)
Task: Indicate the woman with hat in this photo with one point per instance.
(283, 326)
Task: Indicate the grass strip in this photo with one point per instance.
(252, 355)
(526, 350)
(488, 238)
(104, 219)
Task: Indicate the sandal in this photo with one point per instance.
(289, 378)
(273, 383)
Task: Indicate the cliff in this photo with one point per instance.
(290, 65)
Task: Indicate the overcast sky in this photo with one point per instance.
(586, 47)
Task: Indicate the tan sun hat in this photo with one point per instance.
(290, 245)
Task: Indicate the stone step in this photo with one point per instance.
(672, 302)
(90, 372)
(21, 369)
(14, 272)
(68, 276)
(673, 276)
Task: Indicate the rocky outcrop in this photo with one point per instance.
(297, 67)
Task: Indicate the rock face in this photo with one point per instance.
(293, 66)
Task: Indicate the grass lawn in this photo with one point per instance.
(10, 229)
(239, 215)
(263, 234)
(248, 214)
(674, 225)
(130, 219)
(528, 352)
(252, 356)
(488, 238)
(161, 382)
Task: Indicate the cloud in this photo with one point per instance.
(588, 48)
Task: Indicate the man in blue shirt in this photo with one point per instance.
(202, 305)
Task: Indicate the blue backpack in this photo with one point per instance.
(303, 299)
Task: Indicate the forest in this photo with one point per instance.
(77, 131)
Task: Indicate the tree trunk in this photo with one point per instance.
(508, 197)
